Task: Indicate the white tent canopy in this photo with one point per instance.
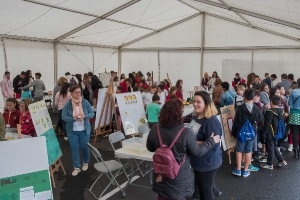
(184, 38)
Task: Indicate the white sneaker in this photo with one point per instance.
(290, 149)
(66, 139)
(85, 166)
(76, 171)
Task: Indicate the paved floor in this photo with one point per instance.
(277, 184)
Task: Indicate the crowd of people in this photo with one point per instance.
(258, 103)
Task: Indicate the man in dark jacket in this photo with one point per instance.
(269, 80)
(270, 128)
(96, 85)
(17, 82)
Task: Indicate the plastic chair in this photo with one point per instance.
(118, 137)
(106, 167)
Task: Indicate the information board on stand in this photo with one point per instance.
(132, 111)
(104, 78)
(43, 126)
(25, 176)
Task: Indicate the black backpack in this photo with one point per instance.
(86, 93)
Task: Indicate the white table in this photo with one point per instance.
(135, 155)
(14, 136)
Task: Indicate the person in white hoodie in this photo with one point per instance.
(161, 94)
(6, 86)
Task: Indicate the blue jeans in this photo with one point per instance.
(78, 140)
(63, 123)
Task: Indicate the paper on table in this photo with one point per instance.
(194, 127)
(43, 195)
(27, 193)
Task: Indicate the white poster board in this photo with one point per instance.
(101, 97)
(104, 78)
(132, 111)
(25, 174)
(40, 117)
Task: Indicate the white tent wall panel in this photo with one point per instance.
(187, 34)
(34, 56)
(67, 62)
(146, 61)
(289, 62)
(213, 60)
(221, 33)
(2, 70)
(105, 59)
(181, 65)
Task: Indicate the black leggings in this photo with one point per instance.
(295, 131)
(205, 182)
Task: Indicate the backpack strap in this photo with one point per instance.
(172, 144)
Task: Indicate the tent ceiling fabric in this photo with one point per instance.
(51, 19)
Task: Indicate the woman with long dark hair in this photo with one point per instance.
(61, 98)
(206, 167)
(178, 85)
(213, 78)
(130, 75)
(170, 124)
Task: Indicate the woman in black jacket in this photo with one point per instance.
(170, 123)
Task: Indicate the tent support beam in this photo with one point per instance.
(162, 29)
(55, 62)
(211, 48)
(245, 24)
(93, 59)
(34, 39)
(238, 14)
(4, 53)
(202, 44)
(158, 62)
(119, 61)
(253, 14)
(97, 20)
(83, 13)
(138, 26)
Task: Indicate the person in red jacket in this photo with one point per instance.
(237, 81)
(26, 122)
(179, 94)
(11, 114)
(126, 85)
(172, 92)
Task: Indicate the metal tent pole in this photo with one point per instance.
(5, 57)
(202, 44)
(55, 63)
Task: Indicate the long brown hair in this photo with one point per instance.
(178, 84)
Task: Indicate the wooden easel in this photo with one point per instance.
(228, 152)
(109, 105)
(169, 80)
(54, 168)
(152, 78)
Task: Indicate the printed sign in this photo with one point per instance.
(228, 114)
(132, 111)
(24, 174)
(105, 79)
(40, 117)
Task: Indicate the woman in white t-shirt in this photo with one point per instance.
(148, 94)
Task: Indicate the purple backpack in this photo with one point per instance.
(164, 162)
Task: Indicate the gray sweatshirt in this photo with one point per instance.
(39, 87)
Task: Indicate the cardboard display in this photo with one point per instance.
(31, 179)
(132, 111)
(228, 114)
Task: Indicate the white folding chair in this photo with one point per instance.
(107, 168)
(118, 137)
